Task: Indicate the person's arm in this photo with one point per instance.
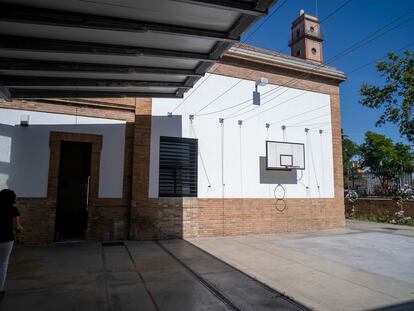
(16, 224)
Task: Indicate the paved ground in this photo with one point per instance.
(170, 275)
(365, 266)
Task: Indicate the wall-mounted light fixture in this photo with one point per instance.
(256, 95)
(24, 119)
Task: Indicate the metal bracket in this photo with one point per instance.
(267, 125)
(191, 117)
(221, 120)
(240, 122)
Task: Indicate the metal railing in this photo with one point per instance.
(381, 184)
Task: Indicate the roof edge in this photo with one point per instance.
(275, 59)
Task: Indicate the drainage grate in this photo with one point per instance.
(113, 243)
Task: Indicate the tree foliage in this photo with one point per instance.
(396, 96)
(349, 151)
(384, 158)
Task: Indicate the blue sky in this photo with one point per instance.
(352, 23)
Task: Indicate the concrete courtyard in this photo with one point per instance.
(365, 266)
(167, 275)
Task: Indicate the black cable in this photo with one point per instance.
(225, 92)
(283, 102)
(301, 176)
(249, 36)
(307, 125)
(265, 20)
(343, 53)
(316, 117)
(373, 62)
(297, 115)
(221, 110)
(326, 18)
(219, 96)
(189, 95)
(335, 11)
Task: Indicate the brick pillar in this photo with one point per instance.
(337, 158)
(143, 216)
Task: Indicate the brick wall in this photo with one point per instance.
(379, 207)
(108, 217)
(138, 217)
(190, 217)
(37, 219)
(210, 217)
(184, 218)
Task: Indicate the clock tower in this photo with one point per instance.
(306, 38)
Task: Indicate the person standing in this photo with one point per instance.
(9, 221)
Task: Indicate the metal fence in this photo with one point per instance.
(370, 184)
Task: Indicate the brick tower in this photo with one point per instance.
(306, 38)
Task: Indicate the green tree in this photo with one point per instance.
(405, 156)
(396, 96)
(349, 151)
(384, 158)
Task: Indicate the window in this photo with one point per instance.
(298, 53)
(178, 167)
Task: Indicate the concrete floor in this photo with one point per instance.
(366, 266)
(169, 275)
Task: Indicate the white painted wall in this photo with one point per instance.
(24, 151)
(243, 146)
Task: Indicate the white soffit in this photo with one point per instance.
(116, 48)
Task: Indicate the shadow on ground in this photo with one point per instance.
(165, 275)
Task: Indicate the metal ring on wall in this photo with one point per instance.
(280, 202)
(282, 197)
(280, 205)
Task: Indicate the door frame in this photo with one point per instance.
(55, 141)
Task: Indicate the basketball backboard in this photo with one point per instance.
(285, 155)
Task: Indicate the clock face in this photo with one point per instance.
(313, 51)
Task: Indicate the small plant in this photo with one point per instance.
(352, 197)
(404, 194)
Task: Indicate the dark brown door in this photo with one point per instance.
(73, 190)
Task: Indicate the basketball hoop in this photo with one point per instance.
(285, 155)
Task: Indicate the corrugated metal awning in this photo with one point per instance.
(115, 48)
